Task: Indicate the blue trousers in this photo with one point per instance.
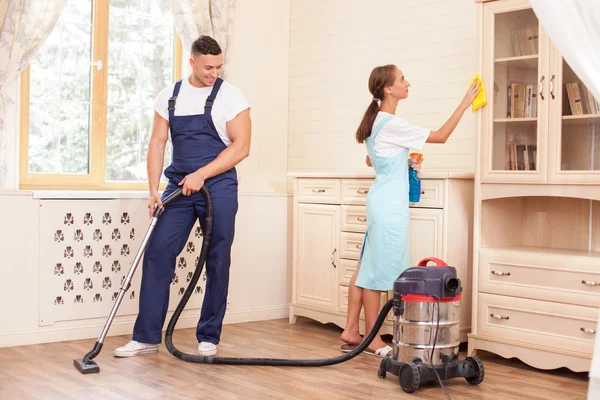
(165, 244)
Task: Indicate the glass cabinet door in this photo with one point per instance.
(575, 148)
(515, 119)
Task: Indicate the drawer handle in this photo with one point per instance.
(318, 190)
(358, 246)
(500, 273)
(333, 257)
(498, 316)
(590, 283)
(422, 192)
(588, 330)
(361, 219)
(362, 191)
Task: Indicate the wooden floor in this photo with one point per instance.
(47, 372)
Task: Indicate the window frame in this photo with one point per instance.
(96, 178)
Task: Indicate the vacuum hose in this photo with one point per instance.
(253, 361)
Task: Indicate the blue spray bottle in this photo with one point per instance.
(414, 182)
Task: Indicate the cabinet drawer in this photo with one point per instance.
(343, 300)
(354, 219)
(351, 244)
(346, 270)
(319, 191)
(432, 194)
(540, 275)
(561, 326)
(354, 191)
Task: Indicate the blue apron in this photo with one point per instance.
(385, 252)
(196, 143)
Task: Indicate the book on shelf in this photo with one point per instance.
(521, 157)
(524, 41)
(522, 101)
(578, 100)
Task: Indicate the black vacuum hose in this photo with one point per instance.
(253, 361)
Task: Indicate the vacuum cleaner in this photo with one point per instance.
(426, 329)
(87, 365)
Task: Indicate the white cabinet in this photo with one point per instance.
(537, 198)
(317, 243)
(330, 221)
(425, 233)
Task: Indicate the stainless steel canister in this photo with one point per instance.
(414, 331)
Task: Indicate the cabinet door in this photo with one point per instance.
(425, 232)
(317, 255)
(574, 151)
(515, 73)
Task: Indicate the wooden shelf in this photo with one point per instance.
(490, 191)
(515, 120)
(545, 250)
(583, 119)
(520, 62)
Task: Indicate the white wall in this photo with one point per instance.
(334, 45)
(261, 268)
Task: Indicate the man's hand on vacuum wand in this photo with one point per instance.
(192, 183)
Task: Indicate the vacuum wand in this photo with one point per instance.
(86, 365)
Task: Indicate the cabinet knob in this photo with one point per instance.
(498, 316)
(500, 273)
(590, 283)
(588, 330)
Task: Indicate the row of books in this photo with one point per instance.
(578, 100)
(521, 157)
(522, 101)
(524, 41)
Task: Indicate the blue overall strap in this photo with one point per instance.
(380, 125)
(213, 95)
(173, 100)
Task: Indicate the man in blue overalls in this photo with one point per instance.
(209, 121)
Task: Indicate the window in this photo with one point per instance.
(87, 96)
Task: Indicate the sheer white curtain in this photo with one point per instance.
(574, 28)
(204, 17)
(24, 27)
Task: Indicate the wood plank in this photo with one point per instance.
(46, 371)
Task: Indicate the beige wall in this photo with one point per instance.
(334, 44)
(260, 284)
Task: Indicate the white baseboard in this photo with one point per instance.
(124, 326)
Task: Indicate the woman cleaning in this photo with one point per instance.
(385, 250)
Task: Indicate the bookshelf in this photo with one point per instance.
(536, 234)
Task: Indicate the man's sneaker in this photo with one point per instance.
(207, 349)
(134, 348)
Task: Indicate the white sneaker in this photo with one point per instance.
(207, 349)
(134, 348)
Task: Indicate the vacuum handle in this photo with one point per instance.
(158, 211)
(437, 261)
(172, 197)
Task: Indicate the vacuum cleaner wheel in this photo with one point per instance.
(478, 368)
(409, 377)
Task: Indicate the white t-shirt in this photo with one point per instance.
(230, 101)
(396, 135)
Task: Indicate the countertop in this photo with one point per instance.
(363, 173)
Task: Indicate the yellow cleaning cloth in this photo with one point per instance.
(479, 100)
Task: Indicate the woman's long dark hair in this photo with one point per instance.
(380, 78)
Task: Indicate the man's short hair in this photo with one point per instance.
(205, 45)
